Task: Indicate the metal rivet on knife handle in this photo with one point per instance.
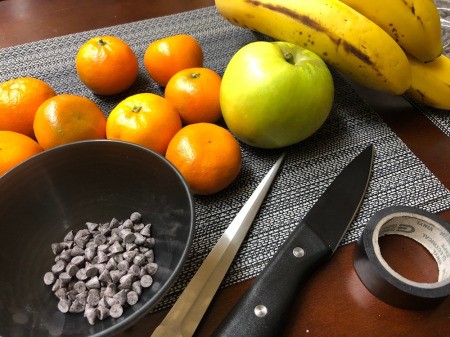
(298, 252)
(261, 310)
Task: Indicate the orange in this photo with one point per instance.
(19, 100)
(165, 57)
(106, 65)
(195, 94)
(15, 148)
(207, 155)
(68, 118)
(146, 119)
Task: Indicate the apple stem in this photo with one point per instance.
(289, 58)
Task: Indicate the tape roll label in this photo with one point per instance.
(430, 234)
(426, 228)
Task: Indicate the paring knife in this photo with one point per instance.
(187, 312)
(267, 303)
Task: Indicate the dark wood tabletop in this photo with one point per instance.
(334, 302)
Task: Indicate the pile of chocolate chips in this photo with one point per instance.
(102, 268)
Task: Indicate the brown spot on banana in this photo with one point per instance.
(413, 11)
(313, 24)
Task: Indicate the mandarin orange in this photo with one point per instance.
(146, 119)
(106, 65)
(165, 57)
(207, 155)
(195, 94)
(68, 118)
(15, 148)
(19, 100)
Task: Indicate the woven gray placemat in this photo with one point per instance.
(399, 178)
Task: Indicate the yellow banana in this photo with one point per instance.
(414, 24)
(430, 82)
(341, 36)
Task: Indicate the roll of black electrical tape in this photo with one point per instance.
(381, 280)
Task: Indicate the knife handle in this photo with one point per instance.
(266, 305)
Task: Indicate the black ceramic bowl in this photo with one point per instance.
(61, 189)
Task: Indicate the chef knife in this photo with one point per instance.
(267, 303)
(182, 320)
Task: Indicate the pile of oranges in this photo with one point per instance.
(180, 125)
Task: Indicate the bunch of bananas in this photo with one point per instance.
(394, 46)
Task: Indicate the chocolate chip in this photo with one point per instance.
(136, 287)
(93, 283)
(58, 267)
(92, 226)
(91, 315)
(80, 287)
(129, 255)
(56, 285)
(140, 239)
(137, 227)
(78, 260)
(116, 310)
(114, 223)
(134, 270)
(99, 239)
(93, 297)
(49, 278)
(90, 253)
(123, 265)
(57, 248)
(146, 230)
(127, 236)
(116, 275)
(150, 256)
(121, 296)
(66, 255)
(116, 247)
(72, 269)
(139, 260)
(149, 242)
(135, 217)
(102, 312)
(69, 237)
(64, 278)
(105, 277)
(110, 290)
(127, 224)
(132, 297)
(64, 305)
(151, 268)
(76, 307)
(81, 274)
(125, 281)
(111, 264)
(100, 267)
(91, 271)
(110, 301)
(146, 281)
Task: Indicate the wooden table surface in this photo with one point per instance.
(334, 302)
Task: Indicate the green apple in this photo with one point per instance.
(275, 94)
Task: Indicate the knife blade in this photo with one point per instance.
(263, 309)
(185, 315)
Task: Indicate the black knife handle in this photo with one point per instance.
(265, 306)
